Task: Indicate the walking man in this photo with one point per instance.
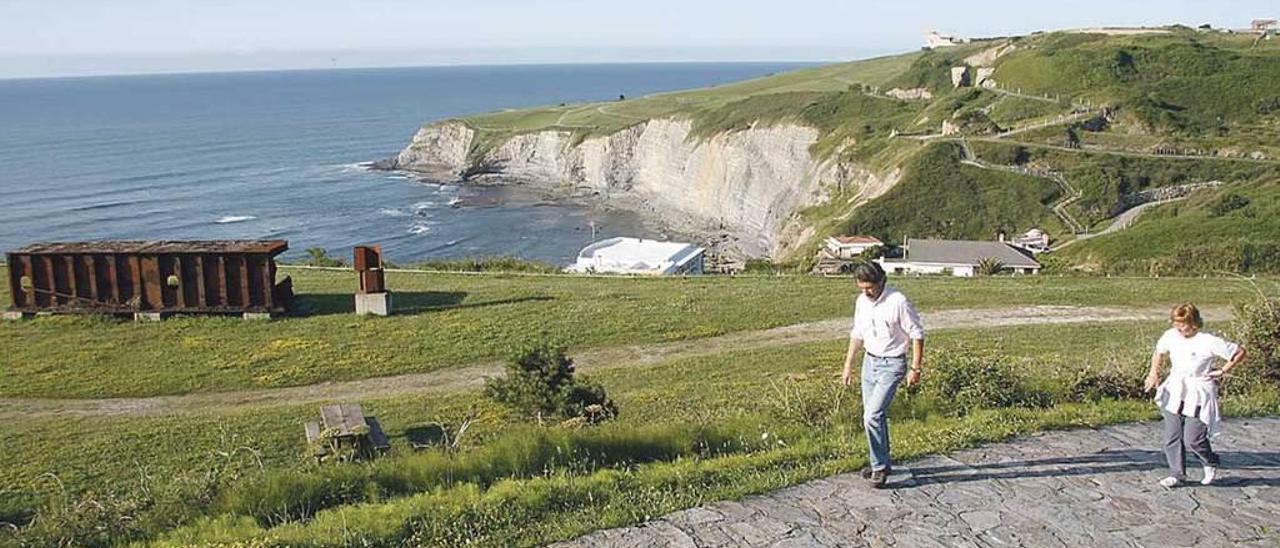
(884, 322)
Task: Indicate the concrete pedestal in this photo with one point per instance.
(378, 304)
(150, 316)
(256, 316)
(17, 315)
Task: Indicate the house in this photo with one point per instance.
(639, 256)
(850, 247)
(958, 258)
(1265, 25)
(1034, 240)
(934, 40)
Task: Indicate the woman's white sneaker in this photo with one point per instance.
(1210, 473)
(1170, 482)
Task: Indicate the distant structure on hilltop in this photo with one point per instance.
(1265, 25)
(934, 40)
(637, 256)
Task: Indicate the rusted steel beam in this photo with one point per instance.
(268, 284)
(91, 266)
(152, 282)
(246, 299)
(52, 282)
(202, 298)
(222, 281)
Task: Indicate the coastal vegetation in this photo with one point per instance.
(1113, 115)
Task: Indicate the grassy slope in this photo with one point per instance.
(735, 388)
(1194, 236)
(939, 197)
(594, 119)
(462, 319)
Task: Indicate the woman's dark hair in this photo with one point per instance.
(869, 272)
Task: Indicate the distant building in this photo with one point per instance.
(850, 247)
(638, 256)
(934, 40)
(958, 258)
(1034, 240)
(1265, 25)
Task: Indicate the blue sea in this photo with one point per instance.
(283, 155)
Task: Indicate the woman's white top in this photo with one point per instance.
(1189, 386)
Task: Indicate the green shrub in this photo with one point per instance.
(1109, 381)
(539, 384)
(967, 380)
(1256, 327)
(1227, 203)
(317, 256)
(488, 264)
(813, 402)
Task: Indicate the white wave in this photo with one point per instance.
(234, 219)
(419, 228)
(358, 166)
(393, 212)
(423, 205)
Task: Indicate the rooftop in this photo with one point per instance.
(637, 254)
(966, 252)
(857, 240)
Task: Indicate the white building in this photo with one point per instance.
(850, 247)
(638, 256)
(934, 40)
(958, 258)
(1034, 240)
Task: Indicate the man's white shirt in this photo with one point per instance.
(886, 325)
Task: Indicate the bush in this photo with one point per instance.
(1113, 381)
(813, 402)
(1226, 204)
(317, 256)
(967, 380)
(540, 385)
(1256, 327)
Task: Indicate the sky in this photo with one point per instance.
(41, 38)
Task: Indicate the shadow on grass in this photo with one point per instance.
(402, 303)
(1105, 462)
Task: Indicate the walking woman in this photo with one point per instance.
(1188, 397)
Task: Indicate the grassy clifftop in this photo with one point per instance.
(1111, 114)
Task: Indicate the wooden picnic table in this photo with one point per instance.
(345, 433)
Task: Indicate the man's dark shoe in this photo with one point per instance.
(876, 477)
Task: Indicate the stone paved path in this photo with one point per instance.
(1059, 489)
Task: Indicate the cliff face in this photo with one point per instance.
(744, 185)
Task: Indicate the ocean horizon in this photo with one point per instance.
(285, 154)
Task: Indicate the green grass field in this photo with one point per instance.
(451, 320)
(785, 391)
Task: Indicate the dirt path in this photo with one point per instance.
(472, 376)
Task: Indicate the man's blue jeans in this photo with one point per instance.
(880, 378)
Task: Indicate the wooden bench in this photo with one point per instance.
(344, 433)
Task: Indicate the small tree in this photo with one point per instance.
(540, 384)
(990, 266)
(317, 256)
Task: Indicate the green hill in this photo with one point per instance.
(1111, 115)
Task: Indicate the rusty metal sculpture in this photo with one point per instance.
(149, 279)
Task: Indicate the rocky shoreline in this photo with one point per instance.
(736, 193)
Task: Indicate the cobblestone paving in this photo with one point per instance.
(1058, 489)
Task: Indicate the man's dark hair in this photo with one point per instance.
(869, 272)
